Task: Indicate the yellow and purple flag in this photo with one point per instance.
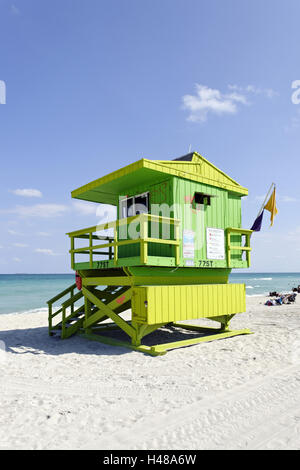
(258, 222)
(271, 206)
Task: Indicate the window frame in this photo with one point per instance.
(122, 201)
(204, 196)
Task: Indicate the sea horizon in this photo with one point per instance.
(29, 292)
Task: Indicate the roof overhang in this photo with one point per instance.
(107, 189)
(146, 172)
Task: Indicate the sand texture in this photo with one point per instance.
(238, 393)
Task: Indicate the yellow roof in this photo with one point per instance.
(192, 167)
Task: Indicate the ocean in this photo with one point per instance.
(263, 283)
(29, 292)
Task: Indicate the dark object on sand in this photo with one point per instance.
(274, 294)
(282, 299)
(291, 298)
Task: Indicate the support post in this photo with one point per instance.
(87, 312)
(115, 245)
(225, 323)
(144, 237)
(50, 318)
(135, 339)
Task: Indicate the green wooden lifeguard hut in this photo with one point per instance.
(167, 257)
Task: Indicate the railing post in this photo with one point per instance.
(72, 305)
(72, 253)
(91, 248)
(115, 244)
(110, 249)
(144, 237)
(63, 324)
(177, 247)
(248, 252)
(50, 318)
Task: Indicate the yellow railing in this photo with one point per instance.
(246, 247)
(68, 303)
(113, 243)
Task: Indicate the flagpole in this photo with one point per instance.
(268, 193)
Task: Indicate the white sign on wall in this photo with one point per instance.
(215, 243)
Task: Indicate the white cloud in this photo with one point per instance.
(27, 192)
(38, 210)
(20, 245)
(268, 92)
(1, 247)
(294, 235)
(103, 212)
(237, 97)
(13, 232)
(278, 198)
(260, 198)
(43, 234)
(287, 199)
(46, 251)
(85, 207)
(209, 100)
(17, 260)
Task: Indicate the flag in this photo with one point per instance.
(257, 223)
(271, 205)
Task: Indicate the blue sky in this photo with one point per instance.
(94, 85)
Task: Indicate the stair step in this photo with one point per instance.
(72, 321)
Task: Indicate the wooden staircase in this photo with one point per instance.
(69, 318)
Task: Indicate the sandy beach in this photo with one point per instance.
(237, 393)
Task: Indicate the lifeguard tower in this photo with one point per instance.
(167, 257)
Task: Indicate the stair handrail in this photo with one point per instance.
(50, 302)
(62, 294)
(72, 300)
